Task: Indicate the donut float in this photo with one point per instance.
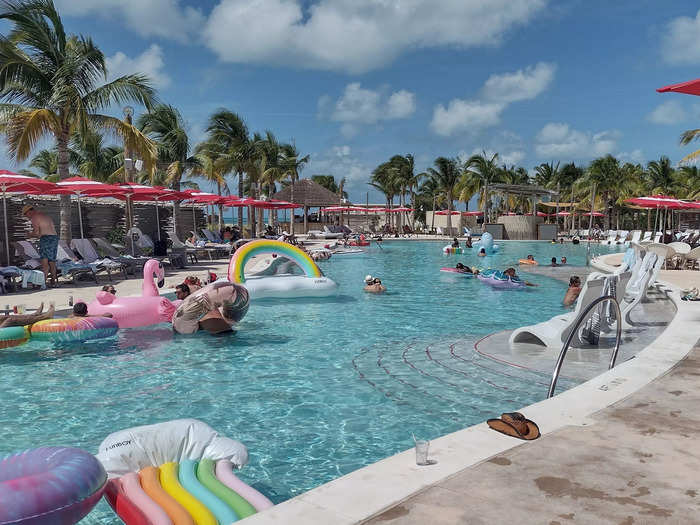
(74, 329)
(13, 336)
(49, 485)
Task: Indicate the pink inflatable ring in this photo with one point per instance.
(49, 485)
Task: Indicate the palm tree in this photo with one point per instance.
(430, 191)
(661, 176)
(207, 166)
(95, 161)
(292, 164)
(230, 131)
(605, 173)
(46, 161)
(546, 175)
(688, 182)
(50, 86)
(480, 171)
(447, 176)
(165, 126)
(384, 179)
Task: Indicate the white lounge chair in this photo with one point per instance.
(637, 286)
(622, 236)
(612, 236)
(657, 237)
(691, 259)
(636, 237)
(647, 236)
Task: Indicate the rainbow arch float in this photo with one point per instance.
(178, 472)
(269, 284)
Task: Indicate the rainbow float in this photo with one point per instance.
(74, 329)
(177, 472)
(268, 282)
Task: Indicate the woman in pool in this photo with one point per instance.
(374, 285)
(462, 268)
(455, 243)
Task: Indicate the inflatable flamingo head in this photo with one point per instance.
(154, 268)
(105, 297)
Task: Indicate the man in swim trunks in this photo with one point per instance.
(44, 229)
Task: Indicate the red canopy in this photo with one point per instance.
(661, 201)
(472, 213)
(595, 214)
(563, 214)
(203, 197)
(398, 210)
(445, 212)
(691, 87)
(82, 186)
(14, 183)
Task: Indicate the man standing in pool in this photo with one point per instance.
(44, 229)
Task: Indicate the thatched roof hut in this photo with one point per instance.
(308, 193)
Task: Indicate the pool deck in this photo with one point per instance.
(618, 448)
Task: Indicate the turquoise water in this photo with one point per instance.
(314, 388)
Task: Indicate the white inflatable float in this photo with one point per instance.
(486, 242)
(266, 284)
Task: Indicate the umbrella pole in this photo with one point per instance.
(194, 222)
(80, 218)
(131, 223)
(157, 220)
(7, 238)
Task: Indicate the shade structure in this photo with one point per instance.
(399, 209)
(13, 183)
(159, 194)
(472, 213)
(542, 214)
(447, 212)
(690, 87)
(563, 214)
(661, 201)
(594, 214)
(84, 187)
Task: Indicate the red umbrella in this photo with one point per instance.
(691, 87)
(595, 214)
(446, 212)
(399, 210)
(542, 214)
(81, 186)
(472, 213)
(661, 201)
(13, 183)
(563, 214)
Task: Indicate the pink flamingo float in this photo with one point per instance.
(150, 308)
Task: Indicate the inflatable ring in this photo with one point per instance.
(13, 336)
(49, 485)
(74, 329)
(451, 249)
(528, 261)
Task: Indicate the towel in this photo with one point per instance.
(33, 277)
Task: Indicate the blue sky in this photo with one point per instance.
(354, 82)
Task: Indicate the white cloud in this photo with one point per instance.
(340, 162)
(669, 112)
(150, 63)
(164, 18)
(509, 158)
(498, 92)
(359, 106)
(635, 156)
(559, 141)
(355, 35)
(680, 43)
(524, 84)
(465, 115)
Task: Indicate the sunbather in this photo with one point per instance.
(573, 291)
(26, 319)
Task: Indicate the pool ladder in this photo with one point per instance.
(583, 315)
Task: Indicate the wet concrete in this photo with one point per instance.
(635, 462)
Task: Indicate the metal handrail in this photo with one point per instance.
(581, 317)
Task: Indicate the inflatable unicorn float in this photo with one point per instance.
(148, 309)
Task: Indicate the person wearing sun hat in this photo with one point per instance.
(374, 285)
(44, 229)
(514, 424)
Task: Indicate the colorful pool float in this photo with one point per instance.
(13, 336)
(486, 242)
(49, 485)
(74, 329)
(458, 272)
(498, 279)
(449, 249)
(312, 284)
(177, 473)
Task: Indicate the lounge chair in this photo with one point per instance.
(173, 258)
(31, 259)
(105, 249)
(636, 237)
(657, 237)
(439, 231)
(647, 236)
(88, 255)
(691, 259)
(680, 250)
(329, 234)
(178, 245)
(554, 332)
(638, 285)
(67, 259)
(622, 236)
(611, 237)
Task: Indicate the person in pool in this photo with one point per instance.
(530, 257)
(468, 243)
(374, 285)
(213, 322)
(554, 261)
(482, 252)
(26, 319)
(510, 272)
(455, 243)
(573, 291)
(109, 288)
(80, 309)
(563, 261)
(462, 268)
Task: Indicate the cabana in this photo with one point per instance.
(308, 194)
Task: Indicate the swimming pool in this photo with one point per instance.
(315, 389)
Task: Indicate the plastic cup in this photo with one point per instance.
(422, 447)
(20, 309)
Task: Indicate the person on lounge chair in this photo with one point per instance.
(573, 291)
(26, 319)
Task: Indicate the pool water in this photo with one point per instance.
(314, 388)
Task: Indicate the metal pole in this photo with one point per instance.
(157, 219)
(367, 211)
(556, 215)
(131, 224)
(194, 222)
(80, 218)
(7, 238)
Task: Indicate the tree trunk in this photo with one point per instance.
(221, 208)
(449, 213)
(240, 209)
(291, 220)
(432, 219)
(64, 173)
